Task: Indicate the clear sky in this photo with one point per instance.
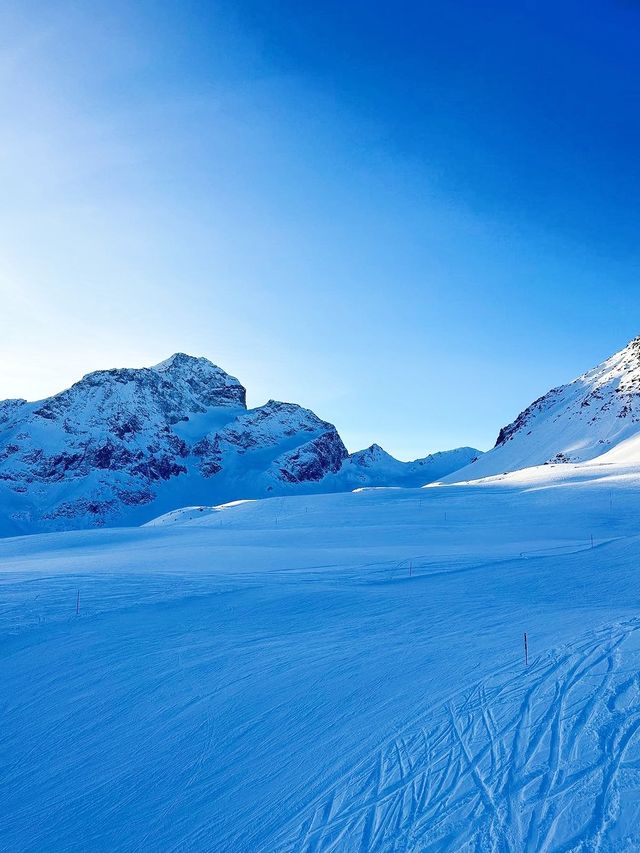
(411, 217)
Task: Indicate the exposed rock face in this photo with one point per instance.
(8, 408)
(276, 425)
(89, 452)
(314, 460)
(122, 446)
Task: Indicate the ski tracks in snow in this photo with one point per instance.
(543, 760)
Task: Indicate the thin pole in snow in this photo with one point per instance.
(78, 603)
(526, 650)
(592, 540)
(410, 567)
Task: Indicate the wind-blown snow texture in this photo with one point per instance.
(123, 446)
(332, 673)
(595, 416)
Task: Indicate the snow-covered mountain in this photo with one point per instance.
(375, 467)
(596, 417)
(123, 446)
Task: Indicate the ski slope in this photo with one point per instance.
(332, 673)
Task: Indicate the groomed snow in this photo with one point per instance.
(332, 673)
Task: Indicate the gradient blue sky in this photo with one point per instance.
(412, 217)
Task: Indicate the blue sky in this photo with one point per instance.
(412, 217)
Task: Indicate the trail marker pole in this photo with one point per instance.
(592, 541)
(410, 567)
(526, 650)
(78, 603)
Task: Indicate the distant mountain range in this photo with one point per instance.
(121, 447)
(594, 418)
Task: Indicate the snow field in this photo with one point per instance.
(269, 677)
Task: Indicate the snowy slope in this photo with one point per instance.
(596, 415)
(123, 446)
(331, 673)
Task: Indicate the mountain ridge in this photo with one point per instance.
(585, 420)
(124, 445)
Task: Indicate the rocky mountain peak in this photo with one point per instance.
(180, 360)
(375, 450)
(208, 382)
(180, 386)
(372, 455)
(121, 446)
